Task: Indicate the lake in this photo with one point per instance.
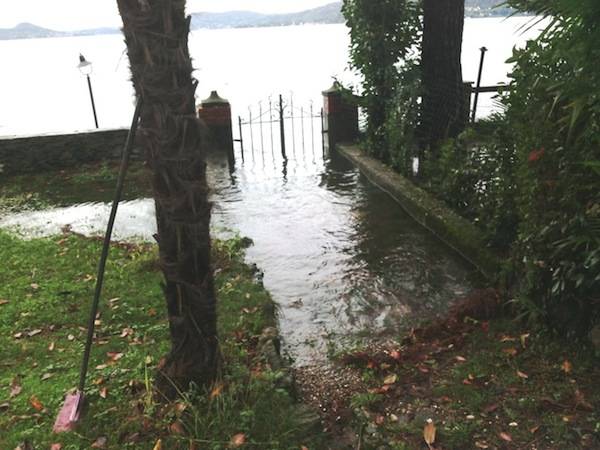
(42, 91)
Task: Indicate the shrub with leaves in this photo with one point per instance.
(554, 112)
(384, 36)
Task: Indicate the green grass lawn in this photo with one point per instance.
(46, 287)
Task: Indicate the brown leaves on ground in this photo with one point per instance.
(429, 433)
(15, 387)
(100, 442)
(35, 402)
(237, 440)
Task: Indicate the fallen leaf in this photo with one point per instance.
(34, 286)
(15, 387)
(216, 391)
(395, 354)
(103, 392)
(152, 312)
(71, 337)
(98, 381)
(524, 338)
(507, 339)
(34, 332)
(51, 346)
(481, 444)
(18, 335)
(533, 430)
(522, 375)
(566, 366)
(581, 401)
(100, 442)
(3, 301)
(461, 359)
(56, 447)
(114, 356)
(37, 405)
(390, 379)
(429, 433)
(126, 332)
(380, 420)
(46, 376)
(238, 440)
(158, 445)
(505, 436)
(101, 366)
(510, 351)
(491, 408)
(176, 428)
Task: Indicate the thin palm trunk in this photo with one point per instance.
(156, 34)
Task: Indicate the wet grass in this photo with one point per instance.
(45, 293)
(494, 384)
(87, 183)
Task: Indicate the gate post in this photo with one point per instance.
(216, 114)
(340, 116)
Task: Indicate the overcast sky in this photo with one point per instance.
(79, 14)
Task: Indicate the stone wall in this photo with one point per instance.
(29, 154)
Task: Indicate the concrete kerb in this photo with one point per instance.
(455, 231)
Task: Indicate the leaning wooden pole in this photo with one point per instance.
(156, 34)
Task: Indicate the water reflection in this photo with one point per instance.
(339, 255)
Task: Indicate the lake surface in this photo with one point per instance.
(42, 91)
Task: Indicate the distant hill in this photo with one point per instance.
(330, 13)
(28, 30)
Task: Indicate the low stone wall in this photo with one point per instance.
(455, 231)
(29, 154)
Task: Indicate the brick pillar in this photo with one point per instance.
(216, 114)
(340, 116)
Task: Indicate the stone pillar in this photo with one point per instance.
(216, 114)
(340, 116)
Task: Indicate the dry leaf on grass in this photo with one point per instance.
(238, 440)
(429, 433)
(505, 436)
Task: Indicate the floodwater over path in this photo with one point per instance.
(339, 256)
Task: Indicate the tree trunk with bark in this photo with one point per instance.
(442, 114)
(156, 34)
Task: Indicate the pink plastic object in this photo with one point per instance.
(69, 414)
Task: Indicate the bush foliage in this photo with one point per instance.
(384, 37)
(530, 177)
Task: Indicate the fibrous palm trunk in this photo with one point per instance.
(156, 34)
(442, 113)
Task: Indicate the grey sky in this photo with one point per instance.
(79, 14)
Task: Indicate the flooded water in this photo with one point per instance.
(339, 256)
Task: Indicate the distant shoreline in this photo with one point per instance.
(34, 32)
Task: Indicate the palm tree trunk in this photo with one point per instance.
(443, 91)
(156, 34)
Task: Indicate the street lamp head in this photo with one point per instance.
(84, 66)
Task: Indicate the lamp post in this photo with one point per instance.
(85, 67)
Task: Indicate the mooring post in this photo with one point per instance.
(260, 121)
(241, 137)
(483, 50)
(323, 131)
(312, 127)
(282, 127)
(293, 129)
(251, 132)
